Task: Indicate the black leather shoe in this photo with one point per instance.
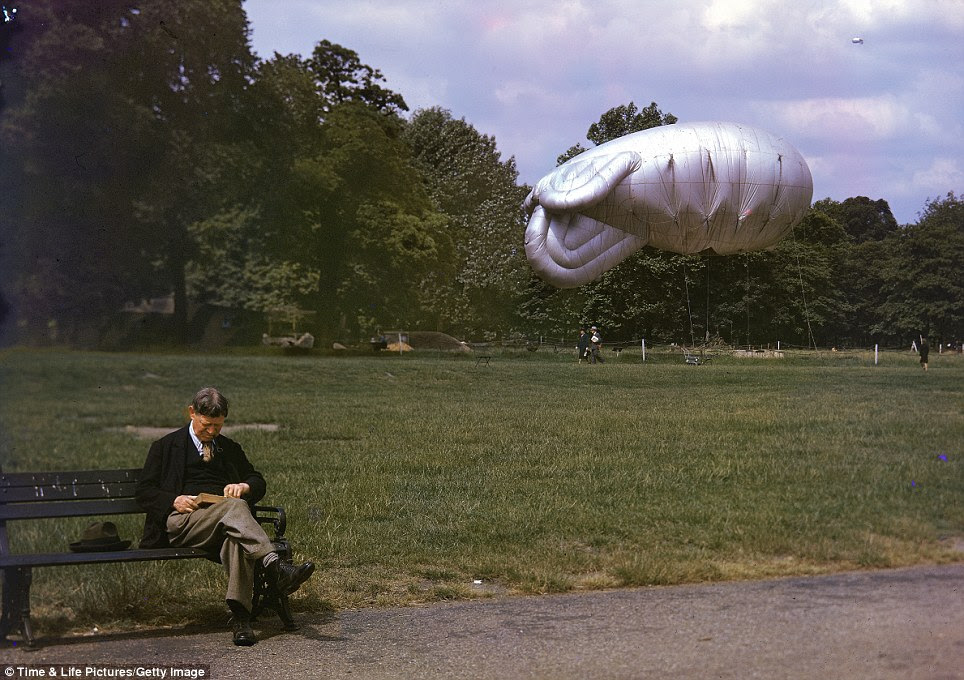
(243, 635)
(289, 577)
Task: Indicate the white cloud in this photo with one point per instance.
(943, 175)
(723, 15)
(853, 119)
(871, 119)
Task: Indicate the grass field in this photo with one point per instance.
(411, 479)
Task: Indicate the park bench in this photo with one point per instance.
(26, 496)
(694, 359)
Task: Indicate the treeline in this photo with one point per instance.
(144, 151)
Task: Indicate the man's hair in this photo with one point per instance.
(210, 402)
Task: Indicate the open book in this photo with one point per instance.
(208, 498)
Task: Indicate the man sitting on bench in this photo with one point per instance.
(198, 459)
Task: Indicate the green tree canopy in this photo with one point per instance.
(478, 192)
(920, 281)
(626, 119)
(124, 105)
(863, 219)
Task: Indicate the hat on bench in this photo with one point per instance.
(100, 536)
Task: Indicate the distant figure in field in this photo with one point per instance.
(583, 345)
(924, 351)
(595, 346)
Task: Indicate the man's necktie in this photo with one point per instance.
(207, 450)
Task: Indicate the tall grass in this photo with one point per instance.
(411, 478)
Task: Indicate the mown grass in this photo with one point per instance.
(408, 479)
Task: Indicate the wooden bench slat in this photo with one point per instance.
(84, 508)
(72, 491)
(132, 555)
(11, 479)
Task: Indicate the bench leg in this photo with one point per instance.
(266, 596)
(283, 610)
(16, 603)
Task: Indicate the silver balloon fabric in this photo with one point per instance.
(712, 188)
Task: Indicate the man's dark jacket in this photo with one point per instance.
(162, 479)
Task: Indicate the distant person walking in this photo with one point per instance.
(595, 346)
(582, 346)
(924, 351)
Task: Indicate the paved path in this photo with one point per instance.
(905, 624)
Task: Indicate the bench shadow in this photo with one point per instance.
(266, 629)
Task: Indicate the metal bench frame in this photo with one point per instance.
(28, 496)
(694, 359)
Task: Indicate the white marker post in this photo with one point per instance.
(644, 348)
(875, 355)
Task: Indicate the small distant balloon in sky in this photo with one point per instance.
(857, 41)
(711, 188)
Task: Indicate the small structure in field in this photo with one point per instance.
(758, 354)
(297, 337)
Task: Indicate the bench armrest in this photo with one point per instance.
(273, 515)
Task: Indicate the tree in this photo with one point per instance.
(347, 205)
(190, 81)
(571, 152)
(626, 119)
(861, 278)
(617, 122)
(548, 311)
(478, 192)
(645, 297)
(330, 184)
(923, 293)
(862, 218)
(399, 263)
(246, 276)
(128, 111)
(341, 77)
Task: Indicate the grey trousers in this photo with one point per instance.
(227, 527)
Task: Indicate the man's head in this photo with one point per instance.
(208, 410)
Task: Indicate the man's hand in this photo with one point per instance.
(236, 490)
(185, 504)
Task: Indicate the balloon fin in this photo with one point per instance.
(569, 249)
(579, 184)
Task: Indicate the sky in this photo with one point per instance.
(883, 119)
